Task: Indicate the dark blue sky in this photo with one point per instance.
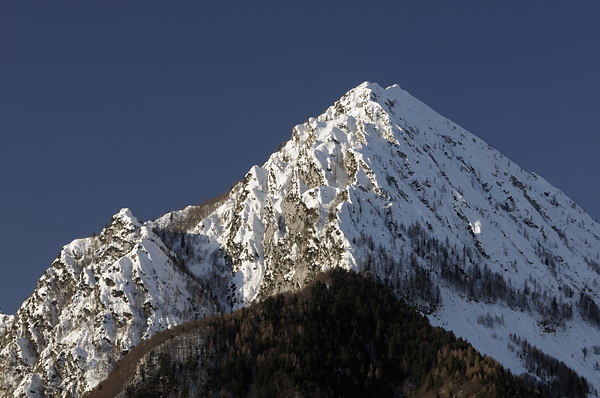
(157, 105)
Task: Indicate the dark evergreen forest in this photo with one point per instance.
(343, 336)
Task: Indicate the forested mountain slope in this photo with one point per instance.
(344, 335)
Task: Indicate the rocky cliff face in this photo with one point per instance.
(98, 299)
(379, 183)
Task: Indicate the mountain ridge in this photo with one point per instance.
(378, 183)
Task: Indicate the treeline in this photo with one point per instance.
(416, 268)
(562, 381)
(589, 309)
(343, 336)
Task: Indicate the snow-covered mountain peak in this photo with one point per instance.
(100, 298)
(378, 178)
(126, 216)
(378, 183)
(394, 113)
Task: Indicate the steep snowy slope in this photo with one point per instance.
(382, 183)
(378, 183)
(100, 297)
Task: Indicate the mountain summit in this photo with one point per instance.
(380, 184)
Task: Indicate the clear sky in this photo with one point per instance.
(155, 105)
